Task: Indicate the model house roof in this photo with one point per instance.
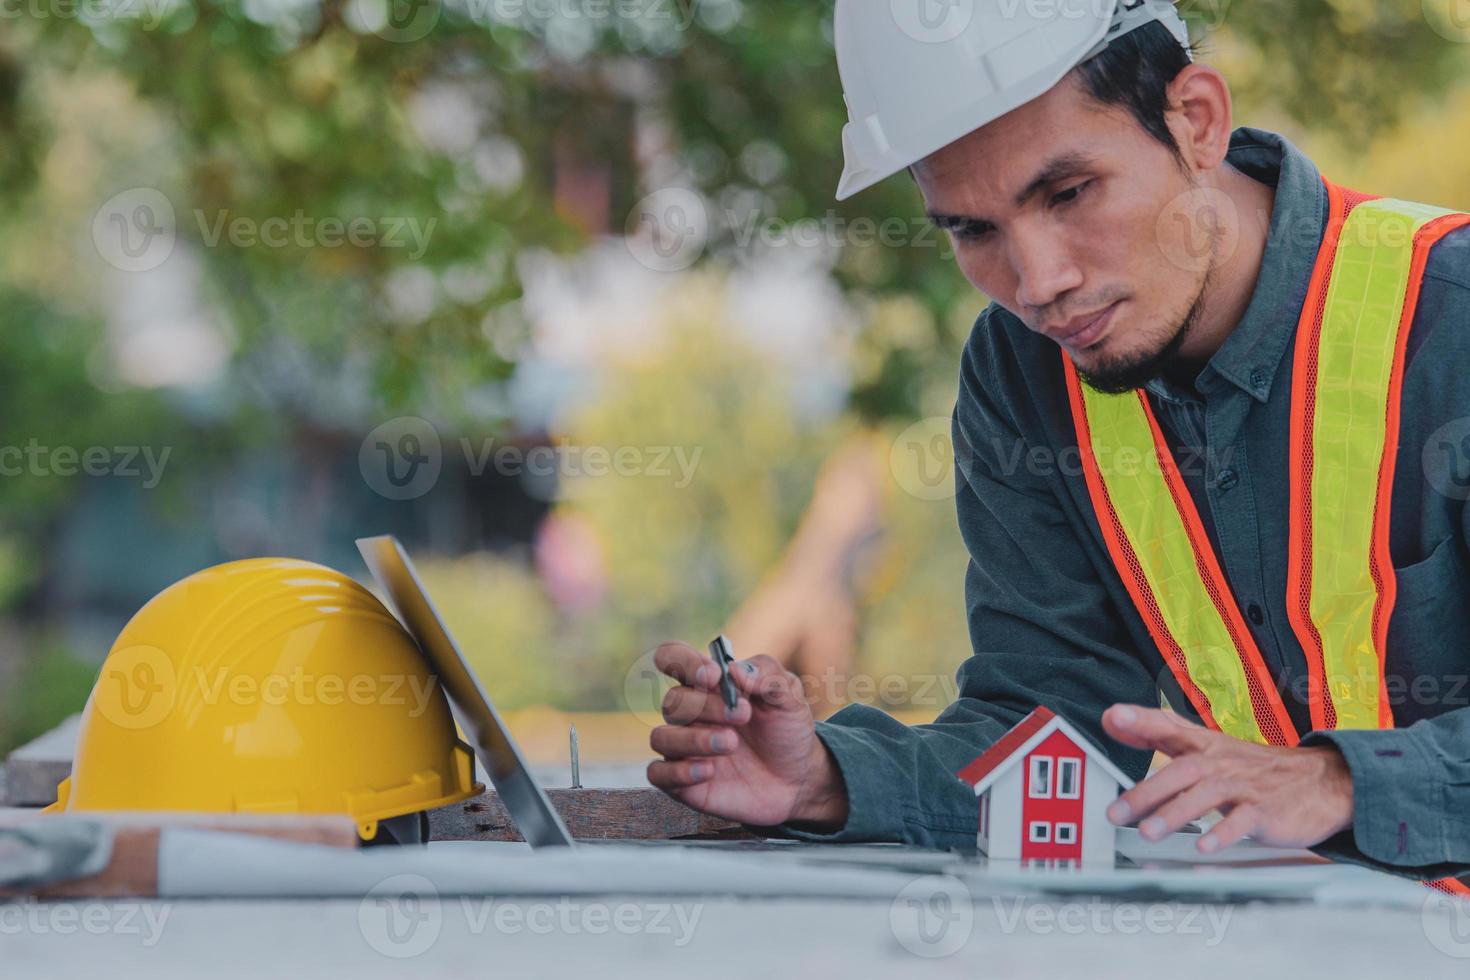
(1030, 732)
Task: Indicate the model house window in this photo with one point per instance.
(1040, 832)
(1069, 779)
(1066, 833)
(1040, 777)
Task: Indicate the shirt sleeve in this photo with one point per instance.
(1411, 796)
(1044, 630)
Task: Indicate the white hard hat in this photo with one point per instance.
(919, 74)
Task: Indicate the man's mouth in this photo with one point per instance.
(1082, 332)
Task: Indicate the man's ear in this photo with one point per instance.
(1200, 116)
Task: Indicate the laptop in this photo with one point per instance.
(525, 801)
(527, 804)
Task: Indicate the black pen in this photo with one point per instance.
(719, 649)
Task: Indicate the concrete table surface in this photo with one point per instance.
(613, 937)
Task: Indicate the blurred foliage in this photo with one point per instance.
(50, 685)
(680, 547)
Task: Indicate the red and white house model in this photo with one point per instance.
(1044, 790)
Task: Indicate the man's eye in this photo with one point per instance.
(973, 231)
(1070, 194)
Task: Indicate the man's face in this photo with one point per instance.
(1055, 213)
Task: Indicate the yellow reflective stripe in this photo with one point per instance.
(1355, 363)
(1124, 452)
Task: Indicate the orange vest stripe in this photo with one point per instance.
(1360, 276)
(1126, 561)
(1424, 241)
(1268, 721)
(1303, 399)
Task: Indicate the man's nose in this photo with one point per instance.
(1045, 271)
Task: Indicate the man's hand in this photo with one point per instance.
(760, 764)
(1296, 797)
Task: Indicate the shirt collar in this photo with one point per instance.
(1252, 353)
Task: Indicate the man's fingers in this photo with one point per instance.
(687, 706)
(1153, 792)
(679, 775)
(1150, 728)
(1240, 822)
(681, 742)
(1193, 803)
(687, 665)
(763, 679)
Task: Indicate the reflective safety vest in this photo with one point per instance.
(1347, 382)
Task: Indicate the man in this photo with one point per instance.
(1074, 203)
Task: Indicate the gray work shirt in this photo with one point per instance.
(1052, 624)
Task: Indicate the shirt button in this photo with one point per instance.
(1228, 479)
(1258, 379)
(1256, 613)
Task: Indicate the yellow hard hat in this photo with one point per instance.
(268, 686)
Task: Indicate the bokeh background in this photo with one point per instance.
(556, 291)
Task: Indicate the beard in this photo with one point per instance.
(1123, 373)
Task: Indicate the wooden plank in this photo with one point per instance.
(590, 814)
(133, 870)
(33, 771)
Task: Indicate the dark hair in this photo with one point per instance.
(1134, 73)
